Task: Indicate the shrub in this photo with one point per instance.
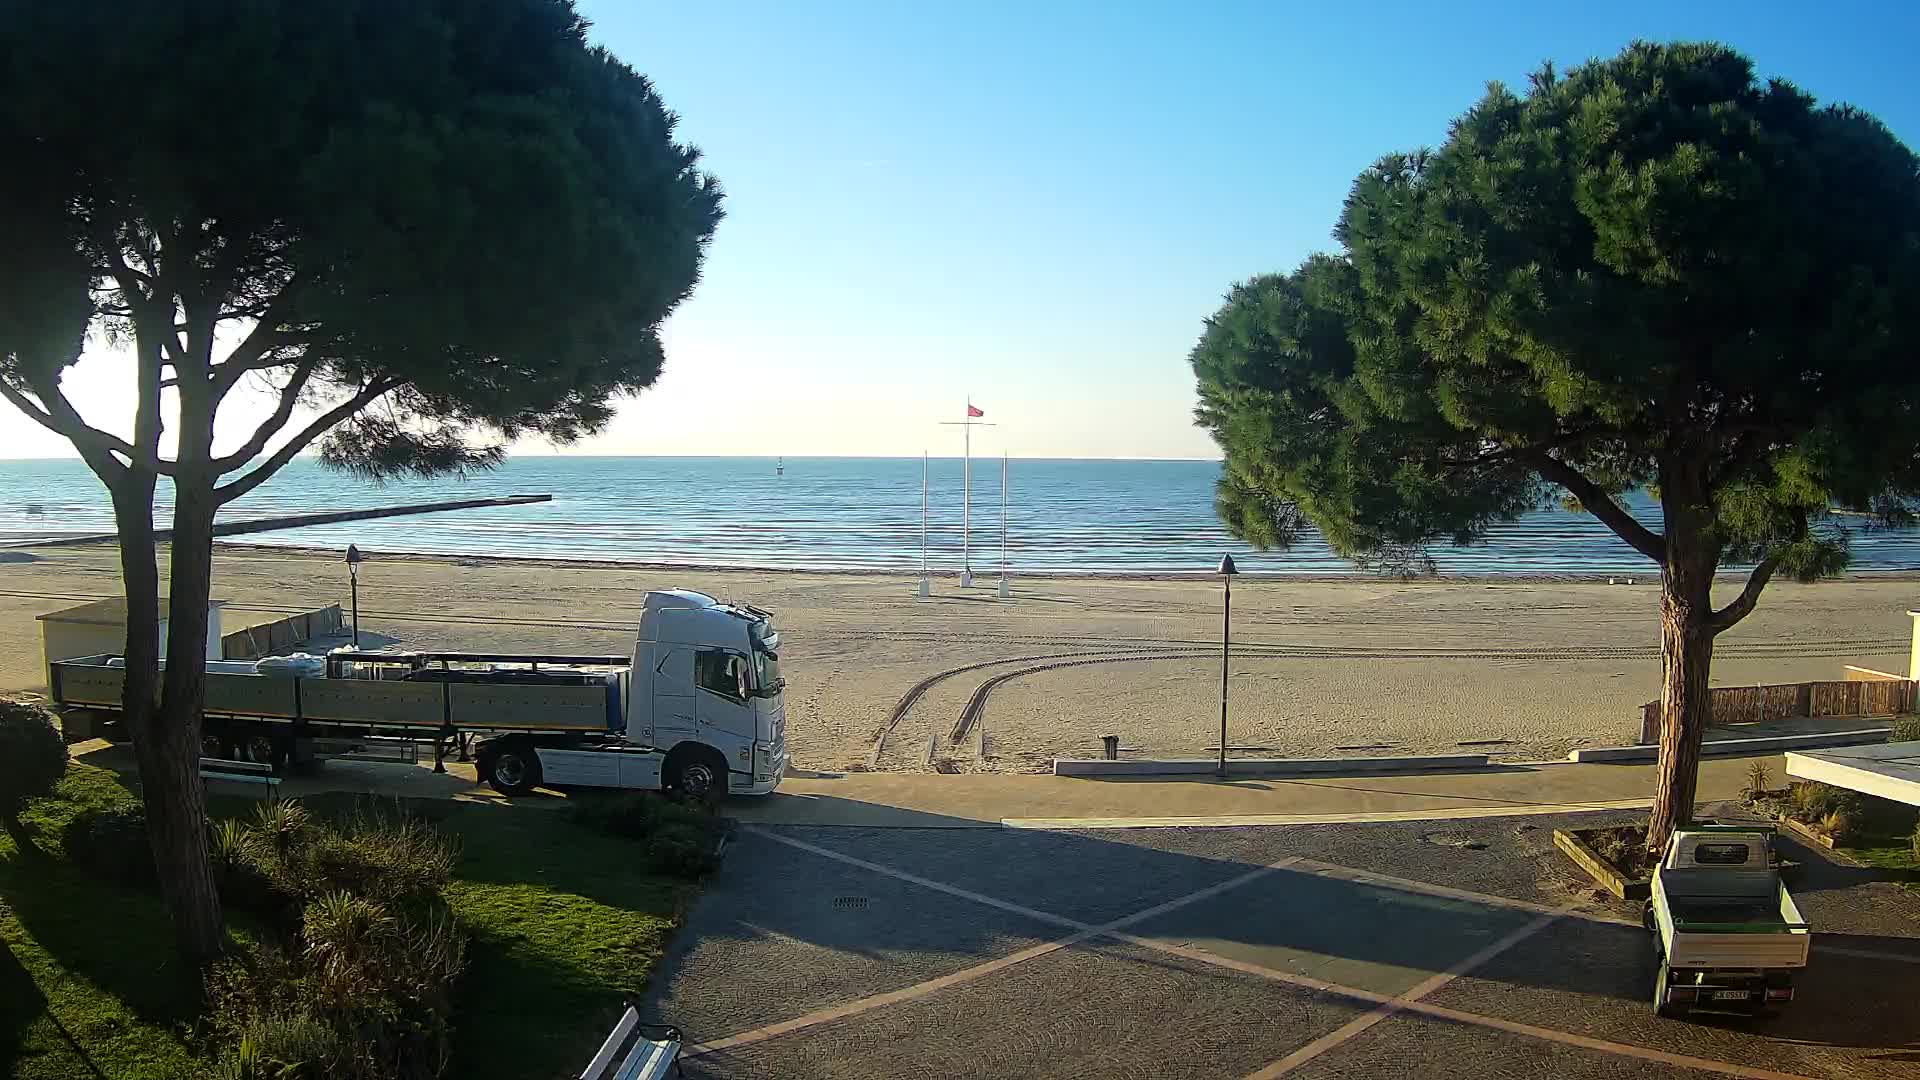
(111, 842)
(243, 871)
(280, 825)
(283, 1047)
(33, 758)
(364, 995)
(1914, 841)
(1759, 780)
(1810, 802)
(376, 850)
(1836, 824)
(1905, 729)
(684, 851)
(636, 816)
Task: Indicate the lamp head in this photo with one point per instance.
(1227, 569)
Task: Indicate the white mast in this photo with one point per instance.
(966, 493)
(926, 584)
(966, 503)
(1005, 589)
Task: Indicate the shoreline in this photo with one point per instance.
(1524, 577)
(1634, 578)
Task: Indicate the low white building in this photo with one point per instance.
(101, 627)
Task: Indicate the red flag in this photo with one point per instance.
(973, 411)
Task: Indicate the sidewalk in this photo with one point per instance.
(1031, 801)
(1025, 800)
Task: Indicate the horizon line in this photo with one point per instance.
(739, 457)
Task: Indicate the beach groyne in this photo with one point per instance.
(296, 521)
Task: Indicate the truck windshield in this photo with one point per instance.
(766, 659)
(766, 674)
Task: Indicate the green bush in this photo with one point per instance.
(637, 816)
(1905, 729)
(683, 851)
(1810, 802)
(376, 850)
(111, 842)
(243, 868)
(33, 758)
(362, 990)
(280, 826)
(291, 1046)
(1914, 841)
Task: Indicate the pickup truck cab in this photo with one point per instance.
(1727, 934)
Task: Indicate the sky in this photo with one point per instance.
(1034, 206)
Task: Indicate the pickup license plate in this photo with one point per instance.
(1732, 995)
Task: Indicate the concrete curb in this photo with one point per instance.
(1265, 766)
(1736, 747)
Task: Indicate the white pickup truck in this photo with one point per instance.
(698, 706)
(1726, 932)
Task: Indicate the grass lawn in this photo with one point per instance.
(1893, 854)
(564, 920)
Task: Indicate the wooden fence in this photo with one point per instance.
(267, 638)
(1863, 692)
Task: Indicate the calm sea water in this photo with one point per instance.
(836, 513)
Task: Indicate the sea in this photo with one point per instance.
(865, 514)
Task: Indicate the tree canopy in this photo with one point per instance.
(422, 227)
(1654, 270)
(454, 207)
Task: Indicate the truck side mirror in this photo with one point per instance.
(739, 675)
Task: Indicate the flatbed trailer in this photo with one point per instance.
(1727, 934)
(704, 715)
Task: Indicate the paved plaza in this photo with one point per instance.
(1252, 951)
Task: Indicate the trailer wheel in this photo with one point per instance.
(1661, 1006)
(511, 768)
(262, 749)
(696, 773)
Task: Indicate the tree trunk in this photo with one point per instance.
(168, 752)
(177, 815)
(1686, 658)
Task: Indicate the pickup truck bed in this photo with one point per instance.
(1762, 918)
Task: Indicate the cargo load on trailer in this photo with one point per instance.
(697, 707)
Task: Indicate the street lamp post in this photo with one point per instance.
(353, 573)
(1227, 570)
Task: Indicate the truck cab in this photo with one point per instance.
(706, 691)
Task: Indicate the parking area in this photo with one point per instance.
(1424, 948)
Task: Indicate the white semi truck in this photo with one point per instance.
(698, 708)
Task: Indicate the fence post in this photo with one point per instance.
(1650, 723)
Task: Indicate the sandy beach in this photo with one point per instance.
(1524, 670)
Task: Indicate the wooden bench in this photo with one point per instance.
(249, 773)
(636, 1051)
(370, 748)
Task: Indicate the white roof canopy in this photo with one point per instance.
(1889, 771)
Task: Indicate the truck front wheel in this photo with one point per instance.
(511, 768)
(696, 773)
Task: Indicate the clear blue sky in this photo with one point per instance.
(1038, 203)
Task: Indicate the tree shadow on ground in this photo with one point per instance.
(118, 938)
(832, 930)
(21, 1005)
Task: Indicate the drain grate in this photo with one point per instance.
(858, 903)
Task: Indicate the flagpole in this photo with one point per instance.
(966, 504)
(926, 585)
(966, 491)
